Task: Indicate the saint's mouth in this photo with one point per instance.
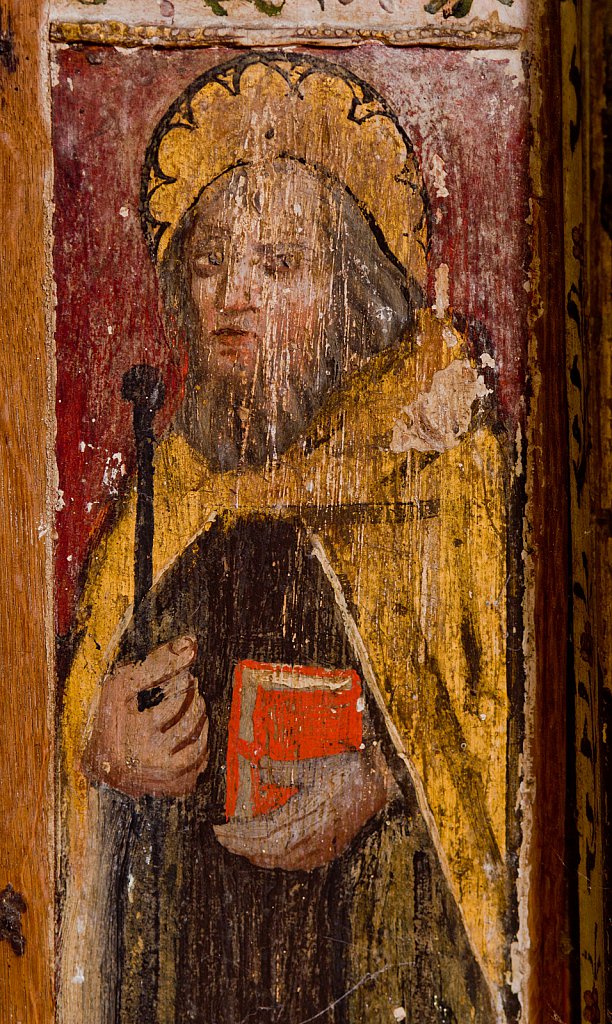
(230, 332)
(235, 347)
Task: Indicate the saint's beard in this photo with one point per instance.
(237, 423)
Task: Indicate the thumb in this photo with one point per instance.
(163, 663)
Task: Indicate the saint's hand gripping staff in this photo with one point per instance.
(143, 386)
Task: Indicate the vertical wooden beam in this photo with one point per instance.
(600, 356)
(587, 252)
(545, 927)
(26, 745)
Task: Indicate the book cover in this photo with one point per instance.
(282, 717)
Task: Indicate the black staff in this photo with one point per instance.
(143, 386)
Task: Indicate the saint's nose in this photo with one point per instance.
(238, 287)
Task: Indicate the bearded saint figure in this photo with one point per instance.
(308, 821)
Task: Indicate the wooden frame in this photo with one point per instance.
(551, 889)
(27, 844)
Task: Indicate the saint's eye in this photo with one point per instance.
(282, 262)
(207, 261)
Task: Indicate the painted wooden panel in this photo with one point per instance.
(132, 947)
(320, 260)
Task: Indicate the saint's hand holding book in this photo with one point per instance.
(300, 780)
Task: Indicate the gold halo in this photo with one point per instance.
(263, 107)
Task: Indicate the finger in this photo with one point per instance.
(177, 716)
(168, 697)
(185, 781)
(160, 665)
(177, 685)
(192, 752)
(156, 764)
(260, 847)
(280, 839)
(188, 700)
(160, 782)
(187, 729)
(192, 758)
(192, 736)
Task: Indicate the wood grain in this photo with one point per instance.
(26, 750)
(587, 267)
(546, 540)
(600, 349)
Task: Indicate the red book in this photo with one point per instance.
(281, 715)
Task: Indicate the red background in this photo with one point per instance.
(467, 109)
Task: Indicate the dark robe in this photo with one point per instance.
(204, 936)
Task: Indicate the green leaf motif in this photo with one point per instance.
(459, 9)
(263, 6)
(220, 9)
(216, 7)
(270, 9)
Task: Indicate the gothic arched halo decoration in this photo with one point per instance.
(210, 129)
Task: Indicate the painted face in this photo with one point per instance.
(288, 292)
(260, 263)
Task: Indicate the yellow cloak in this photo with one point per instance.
(414, 543)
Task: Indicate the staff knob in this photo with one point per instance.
(143, 385)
